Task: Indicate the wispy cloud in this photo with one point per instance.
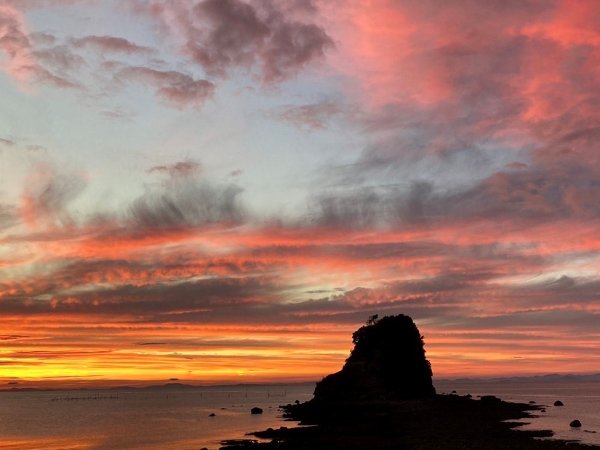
(174, 87)
(111, 44)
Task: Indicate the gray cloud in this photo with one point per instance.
(60, 58)
(8, 216)
(527, 195)
(312, 116)
(151, 301)
(186, 199)
(46, 199)
(224, 35)
(7, 142)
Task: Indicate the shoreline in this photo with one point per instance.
(447, 421)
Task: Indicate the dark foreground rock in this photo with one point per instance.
(446, 422)
(383, 399)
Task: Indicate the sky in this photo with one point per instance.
(224, 190)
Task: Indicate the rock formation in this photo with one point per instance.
(387, 363)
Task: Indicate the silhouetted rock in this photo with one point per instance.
(575, 423)
(212, 415)
(356, 408)
(490, 400)
(387, 362)
(558, 403)
(256, 410)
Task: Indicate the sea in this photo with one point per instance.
(181, 418)
(581, 401)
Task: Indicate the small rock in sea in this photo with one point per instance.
(531, 402)
(453, 392)
(204, 448)
(223, 408)
(212, 415)
(297, 402)
(575, 423)
(558, 403)
(256, 410)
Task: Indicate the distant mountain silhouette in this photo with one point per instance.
(548, 378)
(169, 386)
(387, 362)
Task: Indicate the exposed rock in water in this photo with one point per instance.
(387, 362)
(256, 410)
(575, 423)
(558, 403)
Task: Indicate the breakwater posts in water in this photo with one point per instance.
(91, 397)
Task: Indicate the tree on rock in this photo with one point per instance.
(387, 362)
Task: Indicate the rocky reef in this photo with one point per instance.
(383, 398)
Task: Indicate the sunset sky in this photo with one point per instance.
(223, 190)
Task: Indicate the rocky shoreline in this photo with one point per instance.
(384, 399)
(449, 422)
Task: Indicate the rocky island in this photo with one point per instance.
(384, 398)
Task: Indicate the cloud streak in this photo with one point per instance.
(111, 44)
(176, 88)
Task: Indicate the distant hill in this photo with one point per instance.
(168, 387)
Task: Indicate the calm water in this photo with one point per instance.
(140, 420)
(581, 399)
(180, 419)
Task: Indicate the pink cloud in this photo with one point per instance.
(176, 88)
(15, 43)
(24, 63)
(275, 39)
(111, 44)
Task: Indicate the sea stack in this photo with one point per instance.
(387, 363)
